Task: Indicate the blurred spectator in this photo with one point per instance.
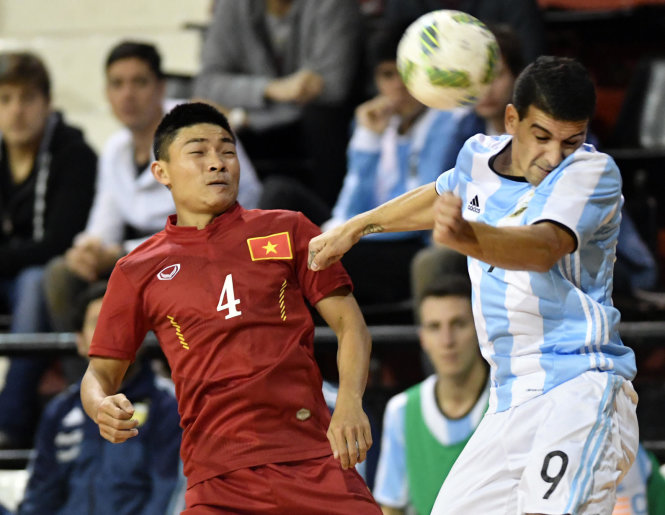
(287, 71)
(74, 470)
(426, 427)
(129, 205)
(523, 16)
(47, 176)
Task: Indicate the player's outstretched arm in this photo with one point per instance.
(529, 247)
(111, 412)
(349, 432)
(411, 211)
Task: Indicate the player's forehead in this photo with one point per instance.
(203, 133)
(128, 67)
(441, 308)
(539, 120)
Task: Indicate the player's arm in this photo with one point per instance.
(387, 510)
(349, 432)
(111, 412)
(534, 247)
(411, 211)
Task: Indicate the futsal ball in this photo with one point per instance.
(447, 59)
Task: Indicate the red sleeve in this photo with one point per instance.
(315, 285)
(121, 327)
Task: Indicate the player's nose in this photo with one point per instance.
(216, 164)
(554, 155)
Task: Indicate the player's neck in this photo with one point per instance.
(503, 163)
(409, 117)
(456, 395)
(198, 220)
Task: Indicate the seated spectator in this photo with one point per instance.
(75, 471)
(399, 144)
(522, 16)
(286, 69)
(47, 177)
(426, 427)
(129, 205)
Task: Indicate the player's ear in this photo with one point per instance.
(160, 173)
(511, 119)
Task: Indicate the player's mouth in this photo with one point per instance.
(217, 182)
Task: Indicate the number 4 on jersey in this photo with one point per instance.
(227, 299)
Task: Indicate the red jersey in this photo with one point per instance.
(227, 304)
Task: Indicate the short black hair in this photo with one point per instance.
(510, 47)
(146, 52)
(25, 69)
(457, 285)
(185, 115)
(382, 44)
(558, 86)
(82, 301)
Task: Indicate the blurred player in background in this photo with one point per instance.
(225, 291)
(537, 211)
(426, 427)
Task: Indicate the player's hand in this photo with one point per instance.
(90, 258)
(329, 247)
(450, 228)
(114, 418)
(375, 114)
(349, 432)
(82, 260)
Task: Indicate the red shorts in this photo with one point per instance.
(309, 487)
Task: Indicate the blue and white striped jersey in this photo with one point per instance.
(538, 330)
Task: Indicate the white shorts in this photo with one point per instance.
(562, 452)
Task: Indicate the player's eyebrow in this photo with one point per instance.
(196, 140)
(537, 126)
(224, 139)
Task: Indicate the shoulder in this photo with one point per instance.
(145, 249)
(276, 219)
(119, 141)
(69, 140)
(484, 144)
(587, 155)
(592, 169)
(396, 406)
(148, 253)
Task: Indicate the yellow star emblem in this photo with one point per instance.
(270, 248)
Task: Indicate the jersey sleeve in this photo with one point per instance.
(447, 181)
(315, 285)
(390, 482)
(122, 326)
(582, 195)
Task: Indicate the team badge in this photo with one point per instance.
(274, 246)
(168, 273)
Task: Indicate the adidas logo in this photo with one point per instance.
(474, 205)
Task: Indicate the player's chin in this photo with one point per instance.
(222, 201)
